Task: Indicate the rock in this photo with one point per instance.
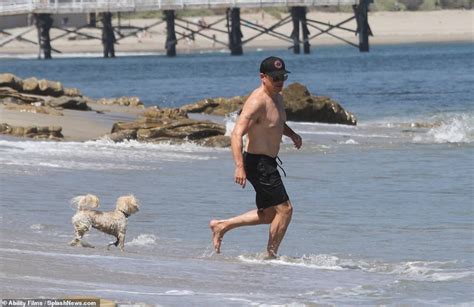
(72, 92)
(219, 141)
(42, 87)
(50, 88)
(135, 125)
(5, 128)
(123, 135)
(170, 125)
(11, 81)
(73, 103)
(30, 85)
(186, 129)
(157, 114)
(216, 106)
(300, 105)
(11, 96)
(33, 109)
(35, 132)
(122, 101)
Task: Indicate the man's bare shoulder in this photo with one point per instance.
(256, 99)
(254, 106)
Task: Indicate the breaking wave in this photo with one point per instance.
(455, 129)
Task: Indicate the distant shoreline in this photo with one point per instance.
(388, 27)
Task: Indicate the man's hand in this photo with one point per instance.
(297, 141)
(240, 176)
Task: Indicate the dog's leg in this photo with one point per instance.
(113, 243)
(121, 241)
(80, 230)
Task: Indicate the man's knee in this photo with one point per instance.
(267, 215)
(285, 208)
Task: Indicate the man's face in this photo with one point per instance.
(276, 80)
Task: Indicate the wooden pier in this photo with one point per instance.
(231, 24)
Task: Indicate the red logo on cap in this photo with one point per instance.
(278, 64)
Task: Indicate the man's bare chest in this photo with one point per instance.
(274, 117)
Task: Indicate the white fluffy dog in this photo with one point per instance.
(113, 223)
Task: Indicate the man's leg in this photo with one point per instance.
(253, 217)
(278, 227)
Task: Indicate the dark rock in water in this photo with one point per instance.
(300, 105)
(35, 132)
(216, 106)
(65, 102)
(189, 129)
(220, 141)
(169, 125)
(123, 135)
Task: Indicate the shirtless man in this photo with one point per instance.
(263, 120)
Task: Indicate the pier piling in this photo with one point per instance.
(43, 24)
(171, 40)
(235, 33)
(298, 16)
(363, 28)
(108, 36)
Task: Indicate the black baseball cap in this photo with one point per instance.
(273, 66)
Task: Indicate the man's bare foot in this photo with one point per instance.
(270, 256)
(217, 235)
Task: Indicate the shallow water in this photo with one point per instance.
(383, 211)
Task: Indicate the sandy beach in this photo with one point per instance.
(387, 27)
(77, 126)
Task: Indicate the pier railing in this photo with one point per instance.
(14, 7)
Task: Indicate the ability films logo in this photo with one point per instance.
(24, 302)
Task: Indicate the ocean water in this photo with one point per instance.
(383, 212)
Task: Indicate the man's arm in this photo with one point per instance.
(250, 112)
(293, 135)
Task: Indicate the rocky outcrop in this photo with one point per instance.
(122, 101)
(170, 125)
(31, 108)
(65, 102)
(300, 105)
(52, 93)
(216, 106)
(35, 132)
(11, 81)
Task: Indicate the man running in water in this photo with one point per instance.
(263, 120)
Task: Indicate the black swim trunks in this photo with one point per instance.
(262, 172)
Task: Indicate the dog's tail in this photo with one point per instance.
(88, 201)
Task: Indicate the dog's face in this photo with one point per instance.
(128, 204)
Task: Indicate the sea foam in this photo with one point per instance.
(143, 240)
(434, 271)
